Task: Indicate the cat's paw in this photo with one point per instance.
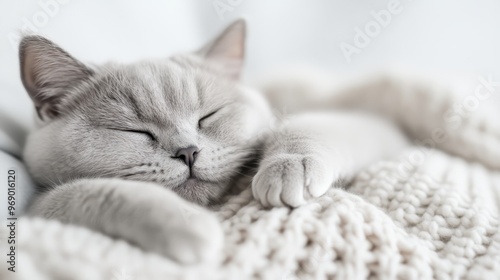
(194, 237)
(199, 241)
(291, 179)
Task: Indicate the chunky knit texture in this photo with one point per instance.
(438, 220)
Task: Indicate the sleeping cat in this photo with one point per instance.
(132, 150)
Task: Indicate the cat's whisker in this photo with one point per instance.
(243, 174)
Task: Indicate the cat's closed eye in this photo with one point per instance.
(203, 120)
(143, 132)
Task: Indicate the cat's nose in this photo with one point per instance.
(188, 155)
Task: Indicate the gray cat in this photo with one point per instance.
(133, 150)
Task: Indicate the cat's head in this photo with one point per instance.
(184, 122)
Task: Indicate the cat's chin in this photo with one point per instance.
(199, 191)
(193, 184)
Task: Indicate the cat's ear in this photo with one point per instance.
(228, 49)
(48, 73)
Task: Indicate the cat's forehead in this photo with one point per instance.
(162, 82)
(160, 90)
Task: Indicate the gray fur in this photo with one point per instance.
(89, 138)
(104, 152)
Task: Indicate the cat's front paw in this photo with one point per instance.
(291, 179)
(193, 236)
(199, 241)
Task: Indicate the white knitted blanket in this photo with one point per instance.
(422, 215)
(438, 222)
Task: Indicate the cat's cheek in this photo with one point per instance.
(256, 114)
(113, 151)
(251, 128)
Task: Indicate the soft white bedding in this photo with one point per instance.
(436, 219)
(427, 225)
